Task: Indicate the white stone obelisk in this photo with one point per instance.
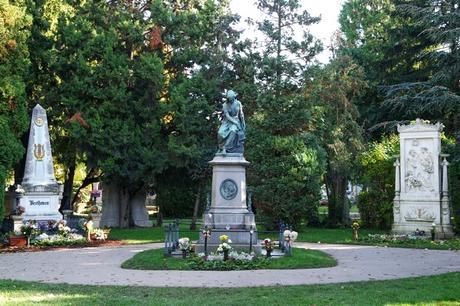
(42, 192)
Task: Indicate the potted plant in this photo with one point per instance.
(17, 239)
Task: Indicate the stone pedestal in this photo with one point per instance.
(96, 218)
(18, 222)
(42, 195)
(421, 196)
(228, 212)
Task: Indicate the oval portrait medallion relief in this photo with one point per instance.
(228, 189)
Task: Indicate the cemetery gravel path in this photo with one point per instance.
(101, 266)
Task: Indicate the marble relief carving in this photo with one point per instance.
(419, 169)
(420, 214)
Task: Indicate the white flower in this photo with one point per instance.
(294, 236)
(184, 243)
(42, 237)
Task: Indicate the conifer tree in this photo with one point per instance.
(287, 156)
(14, 65)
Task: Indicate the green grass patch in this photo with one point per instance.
(140, 235)
(332, 235)
(323, 235)
(430, 290)
(301, 259)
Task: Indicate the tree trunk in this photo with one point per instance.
(68, 185)
(89, 179)
(159, 217)
(338, 210)
(20, 166)
(196, 208)
(124, 199)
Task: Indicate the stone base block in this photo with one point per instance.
(212, 248)
(41, 206)
(47, 217)
(236, 236)
(143, 223)
(232, 220)
(409, 228)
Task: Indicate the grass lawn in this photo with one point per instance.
(431, 290)
(323, 235)
(332, 235)
(151, 234)
(301, 259)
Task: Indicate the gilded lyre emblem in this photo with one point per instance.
(39, 151)
(39, 121)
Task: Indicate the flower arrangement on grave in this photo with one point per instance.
(29, 229)
(184, 245)
(225, 246)
(268, 245)
(355, 227)
(290, 236)
(433, 231)
(99, 234)
(19, 210)
(236, 261)
(206, 232)
(62, 228)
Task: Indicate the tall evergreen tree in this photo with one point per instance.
(389, 47)
(288, 159)
(14, 65)
(335, 90)
(108, 76)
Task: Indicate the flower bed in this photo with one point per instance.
(302, 259)
(58, 240)
(235, 261)
(410, 241)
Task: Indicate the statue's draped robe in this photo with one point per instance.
(231, 135)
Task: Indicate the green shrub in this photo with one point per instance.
(176, 194)
(375, 203)
(374, 212)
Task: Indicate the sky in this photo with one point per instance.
(328, 10)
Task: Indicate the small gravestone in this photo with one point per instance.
(421, 189)
(42, 195)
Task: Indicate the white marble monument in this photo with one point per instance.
(42, 195)
(421, 187)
